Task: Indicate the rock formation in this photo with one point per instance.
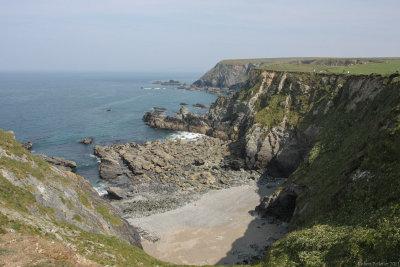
(87, 141)
(61, 163)
(160, 176)
(27, 145)
(270, 116)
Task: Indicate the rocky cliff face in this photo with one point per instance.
(272, 117)
(226, 75)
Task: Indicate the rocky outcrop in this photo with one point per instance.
(184, 121)
(27, 145)
(160, 176)
(86, 141)
(226, 75)
(61, 163)
(281, 204)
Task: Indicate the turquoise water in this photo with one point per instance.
(57, 110)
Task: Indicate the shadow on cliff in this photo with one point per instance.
(266, 228)
(260, 233)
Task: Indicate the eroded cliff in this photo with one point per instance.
(337, 138)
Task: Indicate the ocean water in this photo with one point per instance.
(57, 110)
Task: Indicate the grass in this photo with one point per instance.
(365, 66)
(249, 90)
(106, 214)
(77, 218)
(271, 111)
(382, 66)
(14, 197)
(84, 200)
(4, 251)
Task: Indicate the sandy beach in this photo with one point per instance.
(219, 228)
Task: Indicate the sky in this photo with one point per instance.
(189, 35)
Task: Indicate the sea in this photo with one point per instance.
(55, 110)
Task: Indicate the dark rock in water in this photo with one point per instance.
(61, 163)
(87, 141)
(159, 109)
(183, 104)
(218, 122)
(184, 121)
(199, 105)
(109, 110)
(115, 193)
(27, 145)
(170, 82)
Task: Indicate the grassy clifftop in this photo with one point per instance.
(234, 72)
(326, 65)
(366, 66)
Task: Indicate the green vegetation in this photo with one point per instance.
(381, 66)
(249, 90)
(270, 112)
(352, 213)
(271, 106)
(108, 250)
(77, 218)
(366, 66)
(8, 143)
(4, 251)
(106, 214)
(14, 197)
(84, 200)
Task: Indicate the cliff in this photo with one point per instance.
(225, 75)
(336, 137)
(233, 74)
(54, 218)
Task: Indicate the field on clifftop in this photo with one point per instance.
(327, 65)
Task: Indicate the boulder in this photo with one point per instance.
(281, 204)
(86, 141)
(61, 163)
(199, 106)
(115, 193)
(27, 145)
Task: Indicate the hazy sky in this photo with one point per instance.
(189, 35)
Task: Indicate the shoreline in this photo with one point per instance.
(219, 228)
